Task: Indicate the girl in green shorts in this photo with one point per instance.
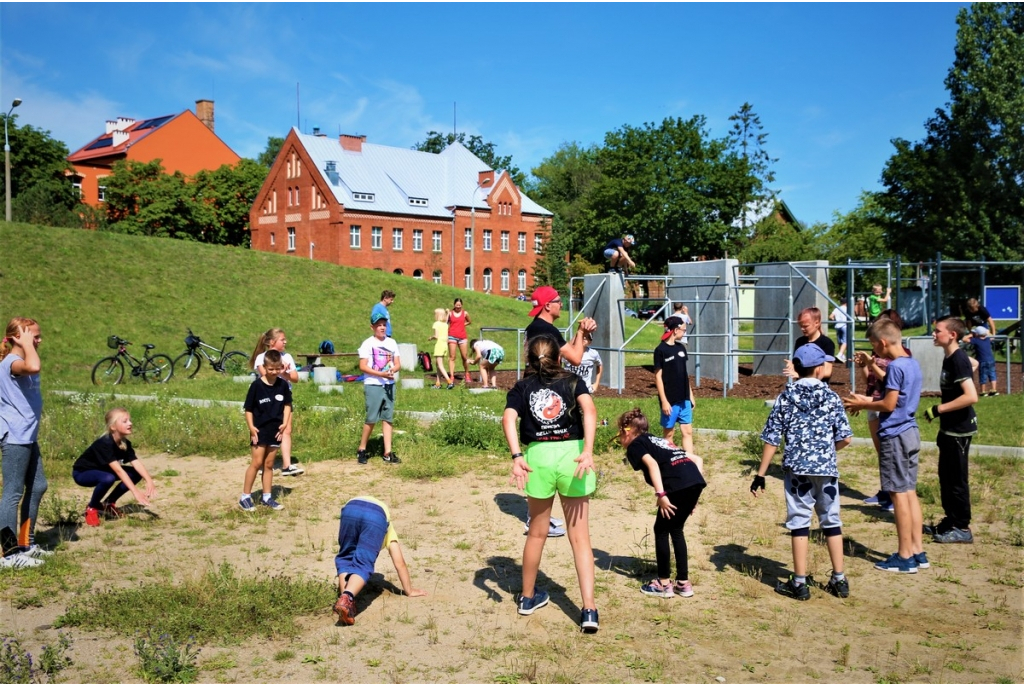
(557, 421)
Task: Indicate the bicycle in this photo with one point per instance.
(157, 368)
(233, 363)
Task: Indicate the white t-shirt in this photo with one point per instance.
(840, 316)
(587, 367)
(382, 355)
(286, 359)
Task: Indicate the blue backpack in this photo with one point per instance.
(326, 347)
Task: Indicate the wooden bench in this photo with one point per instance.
(313, 356)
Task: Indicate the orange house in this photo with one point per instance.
(444, 217)
(183, 142)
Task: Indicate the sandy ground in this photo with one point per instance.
(960, 621)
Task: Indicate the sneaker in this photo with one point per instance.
(878, 498)
(451, 386)
(272, 503)
(391, 458)
(922, 560)
(92, 516)
(839, 588)
(36, 552)
(790, 589)
(887, 506)
(992, 394)
(528, 605)
(19, 560)
(246, 503)
(588, 621)
(841, 358)
(293, 470)
(683, 588)
(362, 457)
(656, 589)
(897, 564)
(955, 535)
(111, 512)
(345, 608)
(556, 527)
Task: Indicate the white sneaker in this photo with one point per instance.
(19, 561)
(841, 358)
(293, 470)
(37, 552)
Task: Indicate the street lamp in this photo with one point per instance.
(472, 237)
(7, 159)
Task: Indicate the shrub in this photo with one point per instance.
(462, 426)
(165, 660)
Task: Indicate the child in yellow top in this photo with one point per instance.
(441, 346)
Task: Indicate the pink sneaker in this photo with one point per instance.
(92, 516)
(684, 588)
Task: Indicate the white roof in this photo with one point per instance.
(393, 175)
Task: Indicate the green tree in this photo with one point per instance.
(269, 154)
(230, 191)
(858, 235)
(41, 190)
(961, 189)
(487, 152)
(143, 200)
(550, 268)
(679, 192)
(748, 139)
(563, 184)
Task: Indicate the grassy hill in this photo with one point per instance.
(83, 286)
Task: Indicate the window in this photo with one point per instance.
(488, 281)
(273, 239)
(417, 240)
(505, 276)
(101, 193)
(437, 277)
(77, 186)
(398, 272)
(469, 279)
(522, 280)
(418, 201)
(487, 240)
(538, 244)
(522, 243)
(437, 241)
(362, 197)
(355, 237)
(396, 239)
(291, 239)
(317, 199)
(376, 238)
(418, 274)
(504, 241)
(293, 166)
(469, 238)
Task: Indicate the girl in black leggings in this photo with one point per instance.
(678, 480)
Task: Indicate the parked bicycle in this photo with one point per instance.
(157, 368)
(233, 363)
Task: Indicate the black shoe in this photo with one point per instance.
(790, 589)
(391, 458)
(839, 588)
(362, 457)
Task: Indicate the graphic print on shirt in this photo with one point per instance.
(546, 406)
(381, 359)
(678, 454)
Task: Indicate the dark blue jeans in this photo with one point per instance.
(101, 482)
(360, 536)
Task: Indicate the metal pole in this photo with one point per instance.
(938, 285)
(7, 162)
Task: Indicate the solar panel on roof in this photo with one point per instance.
(153, 123)
(102, 142)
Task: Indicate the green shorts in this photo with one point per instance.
(553, 465)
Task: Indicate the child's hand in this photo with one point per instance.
(665, 507)
(254, 436)
(861, 359)
(24, 338)
(757, 485)
(585, 463)
(415, 592)
(520, 472)
(855, 402)
(666, 408)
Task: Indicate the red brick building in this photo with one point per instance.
(183, 142)
(415, 213)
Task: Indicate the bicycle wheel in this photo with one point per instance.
(108, 371)
(234, 364)
(158, 369)
(187, 364)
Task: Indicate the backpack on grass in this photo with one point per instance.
(426, 363)
(326, 347)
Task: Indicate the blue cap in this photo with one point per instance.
(808, 356)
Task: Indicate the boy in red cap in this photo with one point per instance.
(673, 382)
(547, 306)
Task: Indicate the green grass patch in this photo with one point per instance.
(215, 607)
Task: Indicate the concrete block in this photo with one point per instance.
(412, 384)
(327, 389)
(480, 391)
(325, 375)
(303, 376)
(248, 378)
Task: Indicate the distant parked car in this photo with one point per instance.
(649, 310)
(629, 313)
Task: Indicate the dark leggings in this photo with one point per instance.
(101, 481)
(672, 529)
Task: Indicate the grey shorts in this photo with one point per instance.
(380, 403)
(806, 494)
(897, 461)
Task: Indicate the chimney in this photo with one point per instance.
(123, 123)
(331, 169)
(351, 143)
(485, 178)
(119, 137)
(111, 126)
(204, 110)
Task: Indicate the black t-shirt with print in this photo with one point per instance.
(548, 412)
(678, 471)
(671, 359)
(267, 402)
(956, 368)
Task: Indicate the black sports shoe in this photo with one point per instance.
(391, 458)
(362, 457)
(790, 589)
(839, 588)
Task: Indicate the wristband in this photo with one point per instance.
(517, 455)
(661, 494)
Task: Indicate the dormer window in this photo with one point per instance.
(418, 201)
(363, 197)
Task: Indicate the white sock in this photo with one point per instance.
(266, 496)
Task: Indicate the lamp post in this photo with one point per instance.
(472, 238)
(7, 160)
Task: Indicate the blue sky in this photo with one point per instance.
(832, 83)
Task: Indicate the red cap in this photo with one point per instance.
(542, 296)
(671, 324)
